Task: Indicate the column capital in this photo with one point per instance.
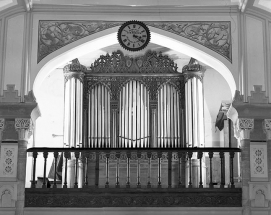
(245, 125)
(193, 69)
(24, 128)
(74, 70)
(267, 128)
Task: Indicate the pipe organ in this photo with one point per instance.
(133, 102)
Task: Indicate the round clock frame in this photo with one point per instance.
(134, 35)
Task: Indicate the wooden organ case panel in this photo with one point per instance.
(133, 102)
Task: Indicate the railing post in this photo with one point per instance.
(149, 169)
(33, 182)
(138, 169)
(86, 156)
(107, 169)
(211, 154)
(97, 169)
(45, 155)
(231, 169)
(159, 155)
(66, 155)
(181, 167)
(55, 157)
(117, 170)
(222, 158)
(76, 169)
(169, 169)
(190, 154)
(128, 169)
(200, 169)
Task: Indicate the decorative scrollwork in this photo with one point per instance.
(22, 123)
(54, 35)
(267, 124)
(135, 199)
(213, 35)
(151, 62)
(74, 70)
(193, 69)
(244, 123)
(2, 124)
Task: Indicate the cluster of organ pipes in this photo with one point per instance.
(134, 116)
(169, 117)
(131, 122)
(99, 117)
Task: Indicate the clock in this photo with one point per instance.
(134, 35)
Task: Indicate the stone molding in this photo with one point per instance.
(10, 94)
(74, 70)
(2, 127)
(267, 124)
(245, 123)
(267, 128)
(258, 161)
(259, 194)
(8, 161)
(193, 70)
(55, 34)
(10, 190)
(258, 96)
(244, 126)
(24, 127)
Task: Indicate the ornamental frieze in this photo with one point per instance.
(133, 199)
(54, 35)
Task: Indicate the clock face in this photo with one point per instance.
(134, 35)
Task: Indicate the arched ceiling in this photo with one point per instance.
(264, 5)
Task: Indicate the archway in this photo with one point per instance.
(108, 37)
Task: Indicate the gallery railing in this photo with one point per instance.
(149, 159)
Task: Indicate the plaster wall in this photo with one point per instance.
(255, 52)
(13, 56)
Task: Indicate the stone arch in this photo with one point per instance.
(108, 37)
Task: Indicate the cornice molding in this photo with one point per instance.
(259, 13)
(152, 10)
(12, 11)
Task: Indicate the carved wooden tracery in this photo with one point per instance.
(115, 71)
(54, 35)
(150, 63)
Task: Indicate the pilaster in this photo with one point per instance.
(15, 130)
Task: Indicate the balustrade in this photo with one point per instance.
(139, 166)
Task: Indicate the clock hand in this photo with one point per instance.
(139, 38)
